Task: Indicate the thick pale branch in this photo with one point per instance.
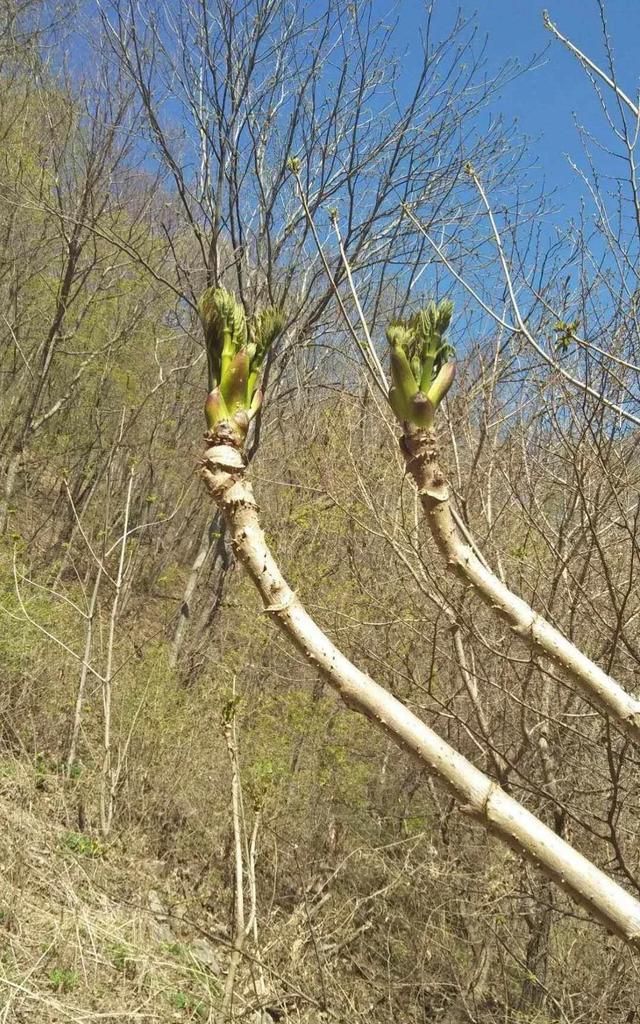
(421, 453)
(481, 798)
(591, 66)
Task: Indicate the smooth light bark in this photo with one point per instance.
(481, 798)
(206, 543)
(84, 672)
(420, 449)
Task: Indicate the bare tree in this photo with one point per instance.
(56, 205)
(235, 99)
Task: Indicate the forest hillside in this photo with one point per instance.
(268, 204)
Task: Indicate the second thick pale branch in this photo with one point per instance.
(421, 453)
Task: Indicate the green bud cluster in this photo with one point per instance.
(421, 368)
(236, 349)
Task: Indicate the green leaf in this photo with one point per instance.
(233, 385)
(420, 369)
(397, 403)
(215, 409)
(422, 411)
(443, 381)
(256, 403)
(402, 374)
(225, 330)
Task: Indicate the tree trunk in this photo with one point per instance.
(534, 988)
(11, 476)
(184, 615)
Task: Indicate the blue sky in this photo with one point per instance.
(545, 100)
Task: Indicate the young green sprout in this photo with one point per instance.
(236, 349)
(421, 368)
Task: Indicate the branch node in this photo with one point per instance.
(284, 605)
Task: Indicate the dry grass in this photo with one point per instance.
(79, 938)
